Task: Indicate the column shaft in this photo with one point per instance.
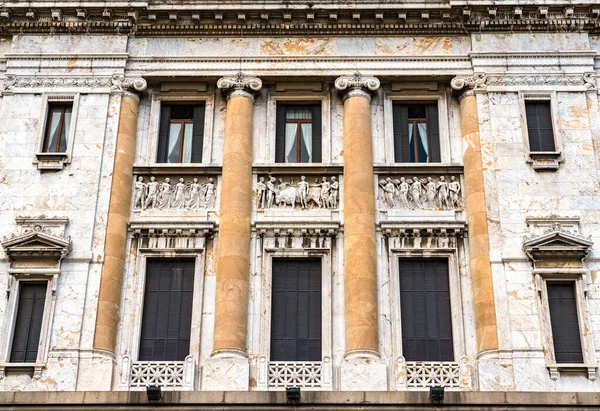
(479, 244)
(233, 269)
(111, 282)
(360, 266)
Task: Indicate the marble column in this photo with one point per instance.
(111, 281)
(360, 255)
(233, 266)
(475, 205)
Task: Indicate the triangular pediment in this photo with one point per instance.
(36, 244)
(557, 244)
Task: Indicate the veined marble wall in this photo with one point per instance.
(514, 191)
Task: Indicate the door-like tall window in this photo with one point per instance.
(181, 135)
(298, 134)
(167, 316)
(565, 322)
(28, 325)
(416, 133)
(425, 310)
(296, 310)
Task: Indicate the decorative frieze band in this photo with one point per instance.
(296, 192)
(484, 81)
(115, 83)
(429, 193)
(183, 195)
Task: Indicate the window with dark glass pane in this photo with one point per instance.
(539, 126)
(296, 310)
(416, 133)
(298, 134)
(181, 134)
(425, 310)
(57, 128)
(565, 322)
(167, 314)
(28, 324)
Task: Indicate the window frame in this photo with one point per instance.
(299, 123)
(391, 98)
(159, 98)
(265, 150)
(14, 288)
(583, 316)
(49, 160)
(541, 160)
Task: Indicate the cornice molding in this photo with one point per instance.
(484, 82)
(116, 83)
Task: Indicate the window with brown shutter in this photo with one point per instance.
(425, 310)
(564, 321)
(416, 133)
(28, 324)
(539, 126)
(296, 310)
(167, 315)
(181, 134)
(57, 128)
(298, 134)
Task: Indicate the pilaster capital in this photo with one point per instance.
(240, 86)
(122, 83)
(466, 86)
(357, 85)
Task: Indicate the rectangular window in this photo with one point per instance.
(296, 310)
(298, 134)
(57, 128)
(181, 134)
(167, 316)
(539, 126)
(425, 310)
(416, 133)
(28, 325)
(565, 323)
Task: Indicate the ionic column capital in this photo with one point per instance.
(128, 85)
(357, 85)
(240, 86)
(466, 86)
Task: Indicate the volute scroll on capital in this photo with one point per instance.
(357, 85)
(122, 83)
(241, 85)
(465, 86)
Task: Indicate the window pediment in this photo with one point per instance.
(557, 246)
(36, 244)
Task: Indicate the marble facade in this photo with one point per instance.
(524, 196)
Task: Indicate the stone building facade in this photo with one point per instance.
(361, 147)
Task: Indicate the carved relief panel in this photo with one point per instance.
(297, 192)
(433, 192)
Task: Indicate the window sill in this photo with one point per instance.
(555, 370)
(26, 367)
(545, 160)
(51, 161)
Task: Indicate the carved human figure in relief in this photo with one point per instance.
(442, 187)
(271, 191)
(165, 196)
(403, 189)
(454, 189)
(325, 187)
(261, 193)
(140, 193)
(303, 192)
(333, 196)
(152, 193)
(389, 192)
(416, 189)
(209, 193)
(179, 195)
(195, 200)
(431, 191)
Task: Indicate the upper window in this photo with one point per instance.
(425, 310)
(181, 135)
(28, 324)
(298, 135)
(564, 322)
(57, 128)
(167, 315)
(416, 133)
(539, 126)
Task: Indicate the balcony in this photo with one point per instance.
(421, 375)
(310, 375)
(169, 375)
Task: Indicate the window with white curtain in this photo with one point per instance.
(298, 134)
